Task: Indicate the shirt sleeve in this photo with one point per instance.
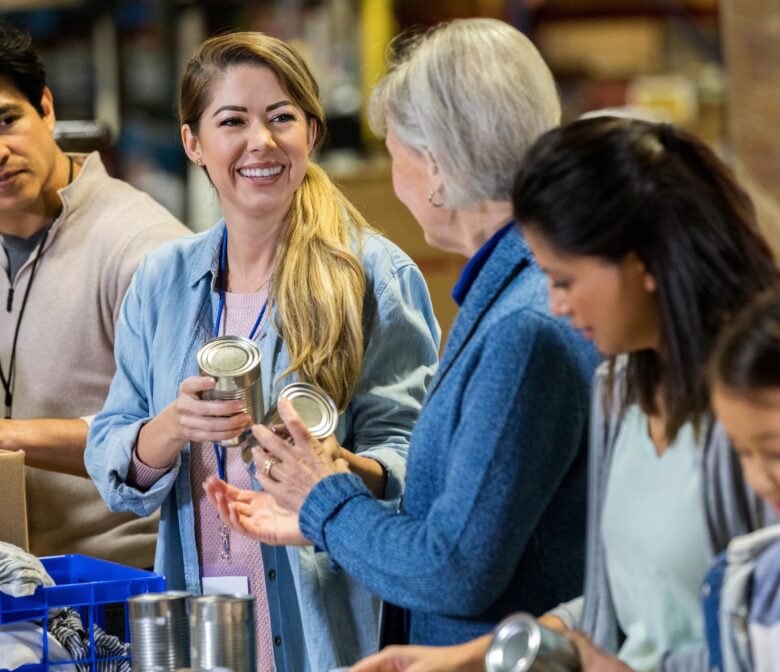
(114, 431)
(400, 359)
(509, 454)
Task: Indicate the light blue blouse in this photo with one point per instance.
(656, 542)
(320, 617)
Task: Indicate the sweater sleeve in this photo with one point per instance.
(400, 359)
(114, 431)
(570, 612)
(522, 417)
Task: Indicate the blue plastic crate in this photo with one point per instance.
(90, 586)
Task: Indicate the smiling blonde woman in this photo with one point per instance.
(294, 266)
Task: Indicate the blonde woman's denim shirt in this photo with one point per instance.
(320, 617)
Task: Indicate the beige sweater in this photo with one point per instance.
(64, 357)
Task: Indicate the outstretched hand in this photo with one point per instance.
(254, 514)
(290, 470)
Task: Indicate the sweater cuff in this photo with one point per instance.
(324, 502)
(142, 476)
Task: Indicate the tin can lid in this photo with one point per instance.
(515, 644)
(315, 407)
(158, 604)
(228, 356)
(222, 608)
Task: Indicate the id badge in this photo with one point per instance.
(225, 585)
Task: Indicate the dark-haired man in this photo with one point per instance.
(71, 239)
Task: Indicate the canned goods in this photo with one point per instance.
(234, 362)
(222, 632)
(315, 408)
(521, 644)
(159, 631)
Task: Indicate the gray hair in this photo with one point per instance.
(475, 93)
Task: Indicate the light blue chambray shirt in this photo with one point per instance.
(320, 617)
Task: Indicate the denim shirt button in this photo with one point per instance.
(278, 640)
(272, 574)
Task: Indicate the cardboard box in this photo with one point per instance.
(13, 505)
(602, 48)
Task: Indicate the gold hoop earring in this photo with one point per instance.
(435, 204)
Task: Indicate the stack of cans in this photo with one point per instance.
(159, 631)
(234, 362)
(222, 632)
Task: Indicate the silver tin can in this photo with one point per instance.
(316, 409)
(159, 631)
(222, 632)
(234, 362)
(521, 644)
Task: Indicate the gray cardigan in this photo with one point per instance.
(731, 508)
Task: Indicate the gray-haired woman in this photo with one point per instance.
(492, 519)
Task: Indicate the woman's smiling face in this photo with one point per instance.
(253, 141)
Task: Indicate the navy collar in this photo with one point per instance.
(474, 265)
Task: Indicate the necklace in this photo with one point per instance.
(260, 286)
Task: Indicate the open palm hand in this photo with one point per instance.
(254, 514)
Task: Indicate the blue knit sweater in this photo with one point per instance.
(493, 516)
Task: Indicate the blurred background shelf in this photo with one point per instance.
(114, 67)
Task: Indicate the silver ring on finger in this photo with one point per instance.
(268, 465)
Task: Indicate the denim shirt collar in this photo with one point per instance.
(474, 265)
(207, 259)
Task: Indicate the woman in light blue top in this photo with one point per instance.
(337, 305)
(650, 247)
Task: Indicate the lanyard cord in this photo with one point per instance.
(8, 383)
(223, 273)
(219, 451)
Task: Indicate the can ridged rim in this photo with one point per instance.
(328, 413)
(506, 630)
(246, 352)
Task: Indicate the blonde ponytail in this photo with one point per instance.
(318, 287)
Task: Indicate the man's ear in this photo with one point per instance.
(191, 144)
(47, 106)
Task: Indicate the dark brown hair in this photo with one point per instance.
(747, 355)
(19, 63)
(608, 186)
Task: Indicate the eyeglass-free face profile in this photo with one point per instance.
(613, 304)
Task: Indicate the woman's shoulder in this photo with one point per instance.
(178, 255)
(380, 254)
(384, 263)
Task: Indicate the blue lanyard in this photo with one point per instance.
(222, 267)
(219, 451)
